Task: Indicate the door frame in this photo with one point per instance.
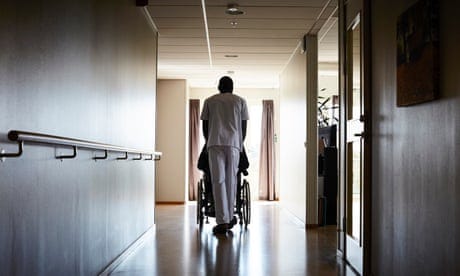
(366, 78)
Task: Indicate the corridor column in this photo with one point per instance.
(311, 50)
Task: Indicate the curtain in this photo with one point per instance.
(194, 145)
(267, 189)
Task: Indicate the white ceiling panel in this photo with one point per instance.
(225, 49)
(255, 63)
(262, 23)
(188, 41)
(179, 23)
(242, 23)
(242, 49)
(231, 33)
(182, 64)
(183, 56)
(184, 33)
(328, 48)
(255, 33)
(272, 56)
(249, 12)
(261, 40)
(181, 49)
(254, 42)
(256, 3)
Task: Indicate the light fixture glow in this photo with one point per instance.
(233, 9)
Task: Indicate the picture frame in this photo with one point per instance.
(418, 54)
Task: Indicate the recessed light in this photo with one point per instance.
(231, 56)
(233, 9)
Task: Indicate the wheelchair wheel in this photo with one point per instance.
(246, 203)
(199, 204)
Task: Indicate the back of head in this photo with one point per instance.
(225, 85)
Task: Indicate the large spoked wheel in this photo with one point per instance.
(246, 203)
(199, 204)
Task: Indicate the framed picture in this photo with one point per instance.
(418, 53)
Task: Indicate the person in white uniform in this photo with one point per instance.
(224, 117)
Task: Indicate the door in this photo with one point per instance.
(355, 146)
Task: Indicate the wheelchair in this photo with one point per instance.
(205, 200)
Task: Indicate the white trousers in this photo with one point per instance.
(223, 164)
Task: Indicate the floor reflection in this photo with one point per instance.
(221, 255)
(275, 243)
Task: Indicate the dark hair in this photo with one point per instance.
(225, 85)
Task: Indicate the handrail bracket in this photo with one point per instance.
(138, 158)
(101, 157)
(123, 158)
(72, 156)
(4, 154)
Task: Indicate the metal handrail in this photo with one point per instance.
(24, 136)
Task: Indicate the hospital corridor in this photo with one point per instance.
(336, 149)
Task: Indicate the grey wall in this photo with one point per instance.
(416, 157)
(81, 69)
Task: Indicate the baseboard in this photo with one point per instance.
(170, 202)
(128, 251)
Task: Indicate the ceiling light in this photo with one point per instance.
(231, 56)
(233, 9)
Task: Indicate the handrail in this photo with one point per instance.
(24, 136)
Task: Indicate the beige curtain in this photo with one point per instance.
(194, 147)
(267, 189)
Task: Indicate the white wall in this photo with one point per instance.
(172, 114)
(252, 96)
(331, 83)
(292, 136)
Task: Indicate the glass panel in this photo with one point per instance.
(356, 78)
(354, 126)
(356, 190)
(354, 213)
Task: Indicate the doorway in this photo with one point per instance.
(355, 153)
(328, 122)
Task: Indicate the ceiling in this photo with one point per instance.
(253, 52)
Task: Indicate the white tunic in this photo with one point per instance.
(224, 113)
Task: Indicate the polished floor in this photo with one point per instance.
(275, 243)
